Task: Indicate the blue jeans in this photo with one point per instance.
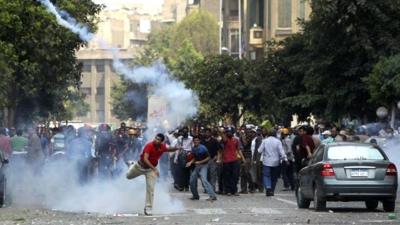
(202, 171)
(270, 176)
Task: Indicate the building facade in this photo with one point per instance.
(173, 11)
(125, 29)
(248, 24)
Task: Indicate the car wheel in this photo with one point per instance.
(371, 204)
(319, 202)
(302, 203)
(388, 205)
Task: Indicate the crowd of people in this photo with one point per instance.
(225, 159)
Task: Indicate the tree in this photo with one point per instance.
(180, 47)
(383, 83)
(201, 29)
(129, 100)
(339, 46)
(43, 64)
(221, 86)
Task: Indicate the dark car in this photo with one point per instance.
(348, 172)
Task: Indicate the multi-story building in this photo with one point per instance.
(246, 25)
(173, 11)
(125, 29)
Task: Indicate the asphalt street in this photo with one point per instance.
(238, 210)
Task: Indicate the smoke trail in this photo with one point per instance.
(55, 191)
(65, 20)
(182, 102)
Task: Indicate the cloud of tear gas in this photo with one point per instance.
(57, 187)
(181, 102)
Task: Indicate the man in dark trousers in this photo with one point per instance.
(213, 146)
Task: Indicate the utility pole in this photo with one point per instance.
(220, 25)
(240, 29)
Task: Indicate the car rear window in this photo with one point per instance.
(354, 153)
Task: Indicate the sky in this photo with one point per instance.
(151, 6)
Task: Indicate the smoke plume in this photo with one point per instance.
(56, 186)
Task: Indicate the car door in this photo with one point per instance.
(308, 173)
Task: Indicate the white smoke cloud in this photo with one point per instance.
(57, 187)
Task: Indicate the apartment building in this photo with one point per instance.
(125, 29)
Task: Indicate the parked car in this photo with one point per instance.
(348, 172)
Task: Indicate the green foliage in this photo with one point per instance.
(383, 83)
(180, 47)
(201, 29)
(129, 100)
(322, 69)
(40, 55)
(220, 82)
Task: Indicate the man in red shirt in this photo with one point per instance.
(231, 155)
(147, 166)
(5, 143)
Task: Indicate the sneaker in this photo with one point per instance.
(193, 198)
(147, 212)
(244, 192)
(236, 194)
(177, 187)
(228, 194)
(212, 199)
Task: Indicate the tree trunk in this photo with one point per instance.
(393, 116)
(10, 117)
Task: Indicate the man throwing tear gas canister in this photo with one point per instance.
(147, 166)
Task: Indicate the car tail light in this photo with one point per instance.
(327, 170)
(391, 170)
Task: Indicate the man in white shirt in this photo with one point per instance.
(182, 172)
(272, 153)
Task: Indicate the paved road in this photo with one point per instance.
(239, 210)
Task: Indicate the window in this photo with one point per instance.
(354, 153)
(86, 91)
(318, 154)
(234, 42)
(100, 116)
(257, 34)
(301, 9)
(284, 13)
(100, 66)
(100, 91)
(137, 43)
(86, 67)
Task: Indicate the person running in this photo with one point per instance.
(147, 166)
(200, 161)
